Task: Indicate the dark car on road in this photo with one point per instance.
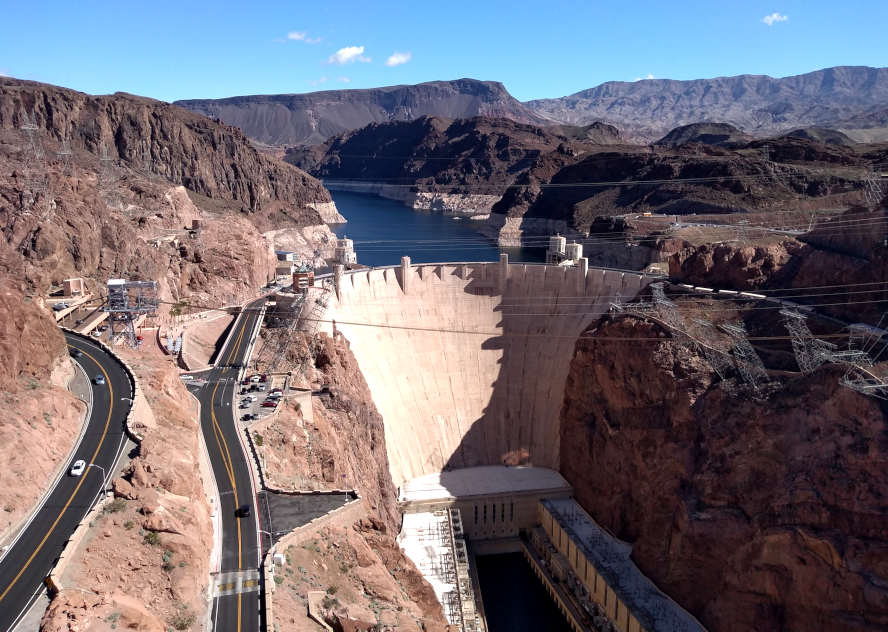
(76, 353)
(243, 511)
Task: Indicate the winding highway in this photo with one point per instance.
(34, 552)
(237, 587)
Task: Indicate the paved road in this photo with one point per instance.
(236, 608)
(33, 554)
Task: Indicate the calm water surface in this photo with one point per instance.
(384, 231)
(514, 599)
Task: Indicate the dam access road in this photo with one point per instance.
(34, 552)
(236, 606)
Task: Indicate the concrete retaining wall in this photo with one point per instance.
(344, 516)
(54, 580)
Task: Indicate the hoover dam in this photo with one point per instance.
(467, 362)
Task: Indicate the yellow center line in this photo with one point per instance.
(226, 459)
(79, 483)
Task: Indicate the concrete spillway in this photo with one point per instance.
(467, 362)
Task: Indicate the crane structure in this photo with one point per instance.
(747, 361)
(128, 301)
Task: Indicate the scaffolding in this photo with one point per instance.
(720, 361)
(127, 302)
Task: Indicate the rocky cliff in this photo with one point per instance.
(306, 119)
(757, 104)
(118, 182)
(753, 515)
(426, 161)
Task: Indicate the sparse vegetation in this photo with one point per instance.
(115, 506)
(258, 440)
(167, 560)
(48, 419)
(331, 590)
(278, 579)
(129, 524)
(183, 619)
(152, 538)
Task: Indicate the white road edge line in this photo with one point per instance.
(62, 470)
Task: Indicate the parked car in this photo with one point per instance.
(99, 379)
(250, 398)
(245, 382)
(277, 390)
(269, 404)
(273, 396)
(187, 377)
(76, 353)
(60, 306)
(78, 468)
(246, 417)
(262, 387)
(244, 405)
(243, 391)
(254, 379)
(254, 416)
(243, 511)
(263, 378)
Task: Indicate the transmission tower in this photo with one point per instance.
(36, 179)
(872, 190)
(809, 352)
(107, 177)
(64, 155)
(747, 361)
(127, 301)
(718, 360)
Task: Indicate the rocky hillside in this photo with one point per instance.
(753, 515)
(689, 179)
(306, 119)
(472, 157)
(128, 215)
(715, 134)
(757, 104)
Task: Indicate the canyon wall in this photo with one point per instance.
(454, 356)
(753, 515)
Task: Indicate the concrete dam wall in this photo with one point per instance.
(467, 362)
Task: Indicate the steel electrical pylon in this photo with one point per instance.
(747, 361)
(36, 179)
(809, 352)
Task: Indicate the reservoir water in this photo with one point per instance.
(514, 599)
(384, 231)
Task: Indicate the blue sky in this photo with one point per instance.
(544, 48)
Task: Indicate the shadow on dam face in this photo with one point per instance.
(467, 362)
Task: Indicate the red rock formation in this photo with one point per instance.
(753, 515)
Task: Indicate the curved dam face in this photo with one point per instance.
(467, 362)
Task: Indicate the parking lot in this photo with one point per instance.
(258, 396)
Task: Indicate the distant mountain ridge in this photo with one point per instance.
(312, 118)
(757, 104)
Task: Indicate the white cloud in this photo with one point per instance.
(348, 55)
(775, 17)
(318, 82)
(344, 80)
(397, 59)
(649, 76)
(302, 36)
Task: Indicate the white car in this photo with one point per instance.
(255, 379)
(187, 377)
(78, 467)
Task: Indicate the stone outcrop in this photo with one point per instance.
(752, 514)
